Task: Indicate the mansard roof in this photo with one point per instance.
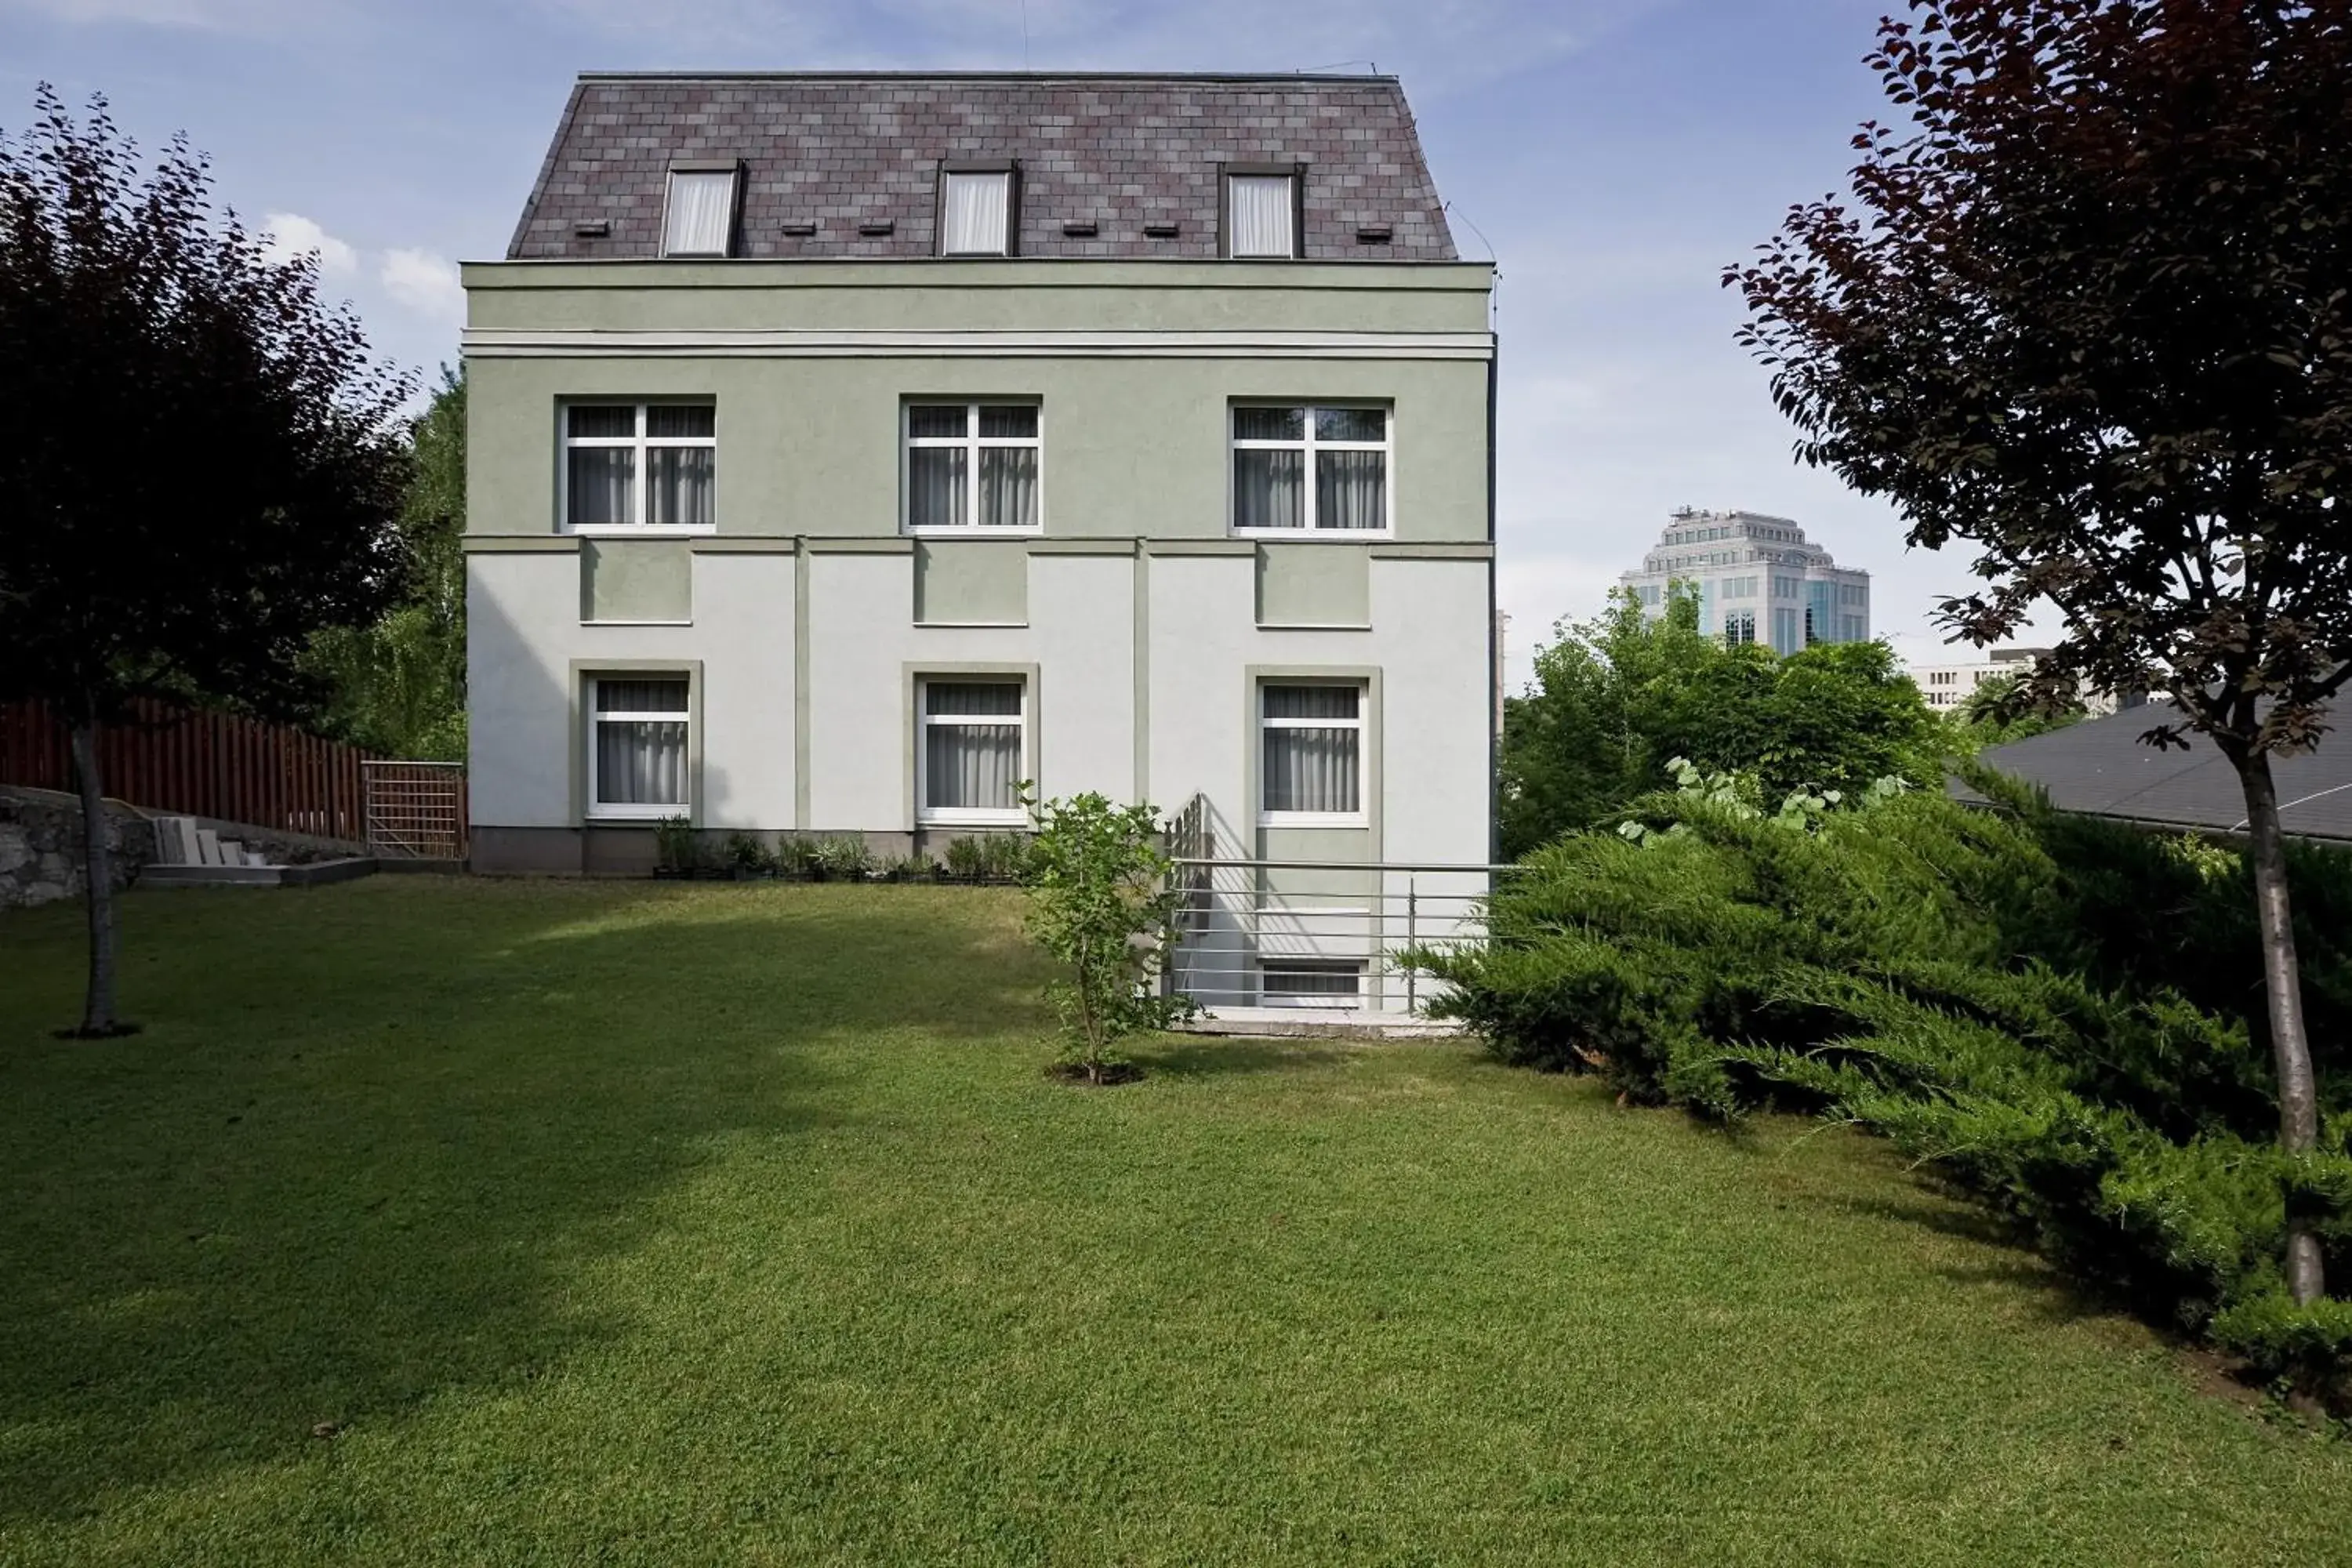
(828, 159)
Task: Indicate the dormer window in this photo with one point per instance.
(700, 220)
(1262, 212)
(976, 211)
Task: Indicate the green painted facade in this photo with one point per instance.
(1313, 585)
(971, 583)
(1134, 443)
(636, 580)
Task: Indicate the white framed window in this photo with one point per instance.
(972, 467)
(1311, 755)
(1262, 214)
(971, 750)
(640, 467)
(700, 216)
(639, 756)
(1311, 468)
(1739, 628)
(976, 212)
(1311, 982)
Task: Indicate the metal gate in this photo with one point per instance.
(416, 811)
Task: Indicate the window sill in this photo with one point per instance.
(1313, 819)
(636, 623)
(972, 819)
(607, 816)
(955, 531)
(1319, 535)
(643, 531)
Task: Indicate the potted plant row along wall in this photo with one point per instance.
(680, 853)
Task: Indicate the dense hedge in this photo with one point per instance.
(2063, 1016)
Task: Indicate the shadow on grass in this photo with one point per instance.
(372, 1143)
(2017, 1264)
(1220, 1057)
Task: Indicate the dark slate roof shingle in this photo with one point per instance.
(2099, 767)
(1122, 150)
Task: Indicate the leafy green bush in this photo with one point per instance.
(677, 847)
(2063, 1016)
(989, 857)
(745, 853)
(843, 858)
(1616, 697)
(967, 858)
(1005, 856)
(1100, 903)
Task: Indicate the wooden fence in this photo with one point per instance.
(201, 765)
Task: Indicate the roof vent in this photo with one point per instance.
(595, 230)
(799, 230)
(1374, 234)
(877, 230)
(1160, 231)
(1080, 229)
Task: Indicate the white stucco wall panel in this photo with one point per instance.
(1082, 627)
(518, 715)
(1432, 629)
(743, 633)
(526, 640)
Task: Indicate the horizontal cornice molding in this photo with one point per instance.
(900, 544)
(511, 342)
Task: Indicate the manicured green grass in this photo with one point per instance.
(655, 1223)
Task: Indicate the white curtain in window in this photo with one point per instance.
(641, 760)
(701, 214)
(1260, 214)
(969, 765)
(1008, 487)
(935, 481)
(978, 207)
(1309, 767)
(1352, 489)
(678, 485)
(640, 764)
(602, 486)
(1268, 491)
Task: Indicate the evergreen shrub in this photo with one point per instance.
(2061, 1016)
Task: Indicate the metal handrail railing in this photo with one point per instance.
(1238, 928)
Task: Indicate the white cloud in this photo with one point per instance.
(1438, 45)
(286, 236)
(256, 17)
(425, 283)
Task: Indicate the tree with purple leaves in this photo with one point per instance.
(204, 464)
(2088, 309)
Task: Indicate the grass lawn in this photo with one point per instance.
(639, 1223)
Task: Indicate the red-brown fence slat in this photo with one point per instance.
(201, 763)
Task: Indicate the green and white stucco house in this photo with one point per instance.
(845, 449)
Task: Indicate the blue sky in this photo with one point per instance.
(1614, 153)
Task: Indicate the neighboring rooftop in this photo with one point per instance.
(2099, 767)
(1696, 538)
(828, 160)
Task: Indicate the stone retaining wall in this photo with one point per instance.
(40, 847)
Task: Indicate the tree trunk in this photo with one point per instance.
(98, 880)
(2298, 1092)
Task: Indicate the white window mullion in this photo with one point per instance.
(644, 513)
(972, 465)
